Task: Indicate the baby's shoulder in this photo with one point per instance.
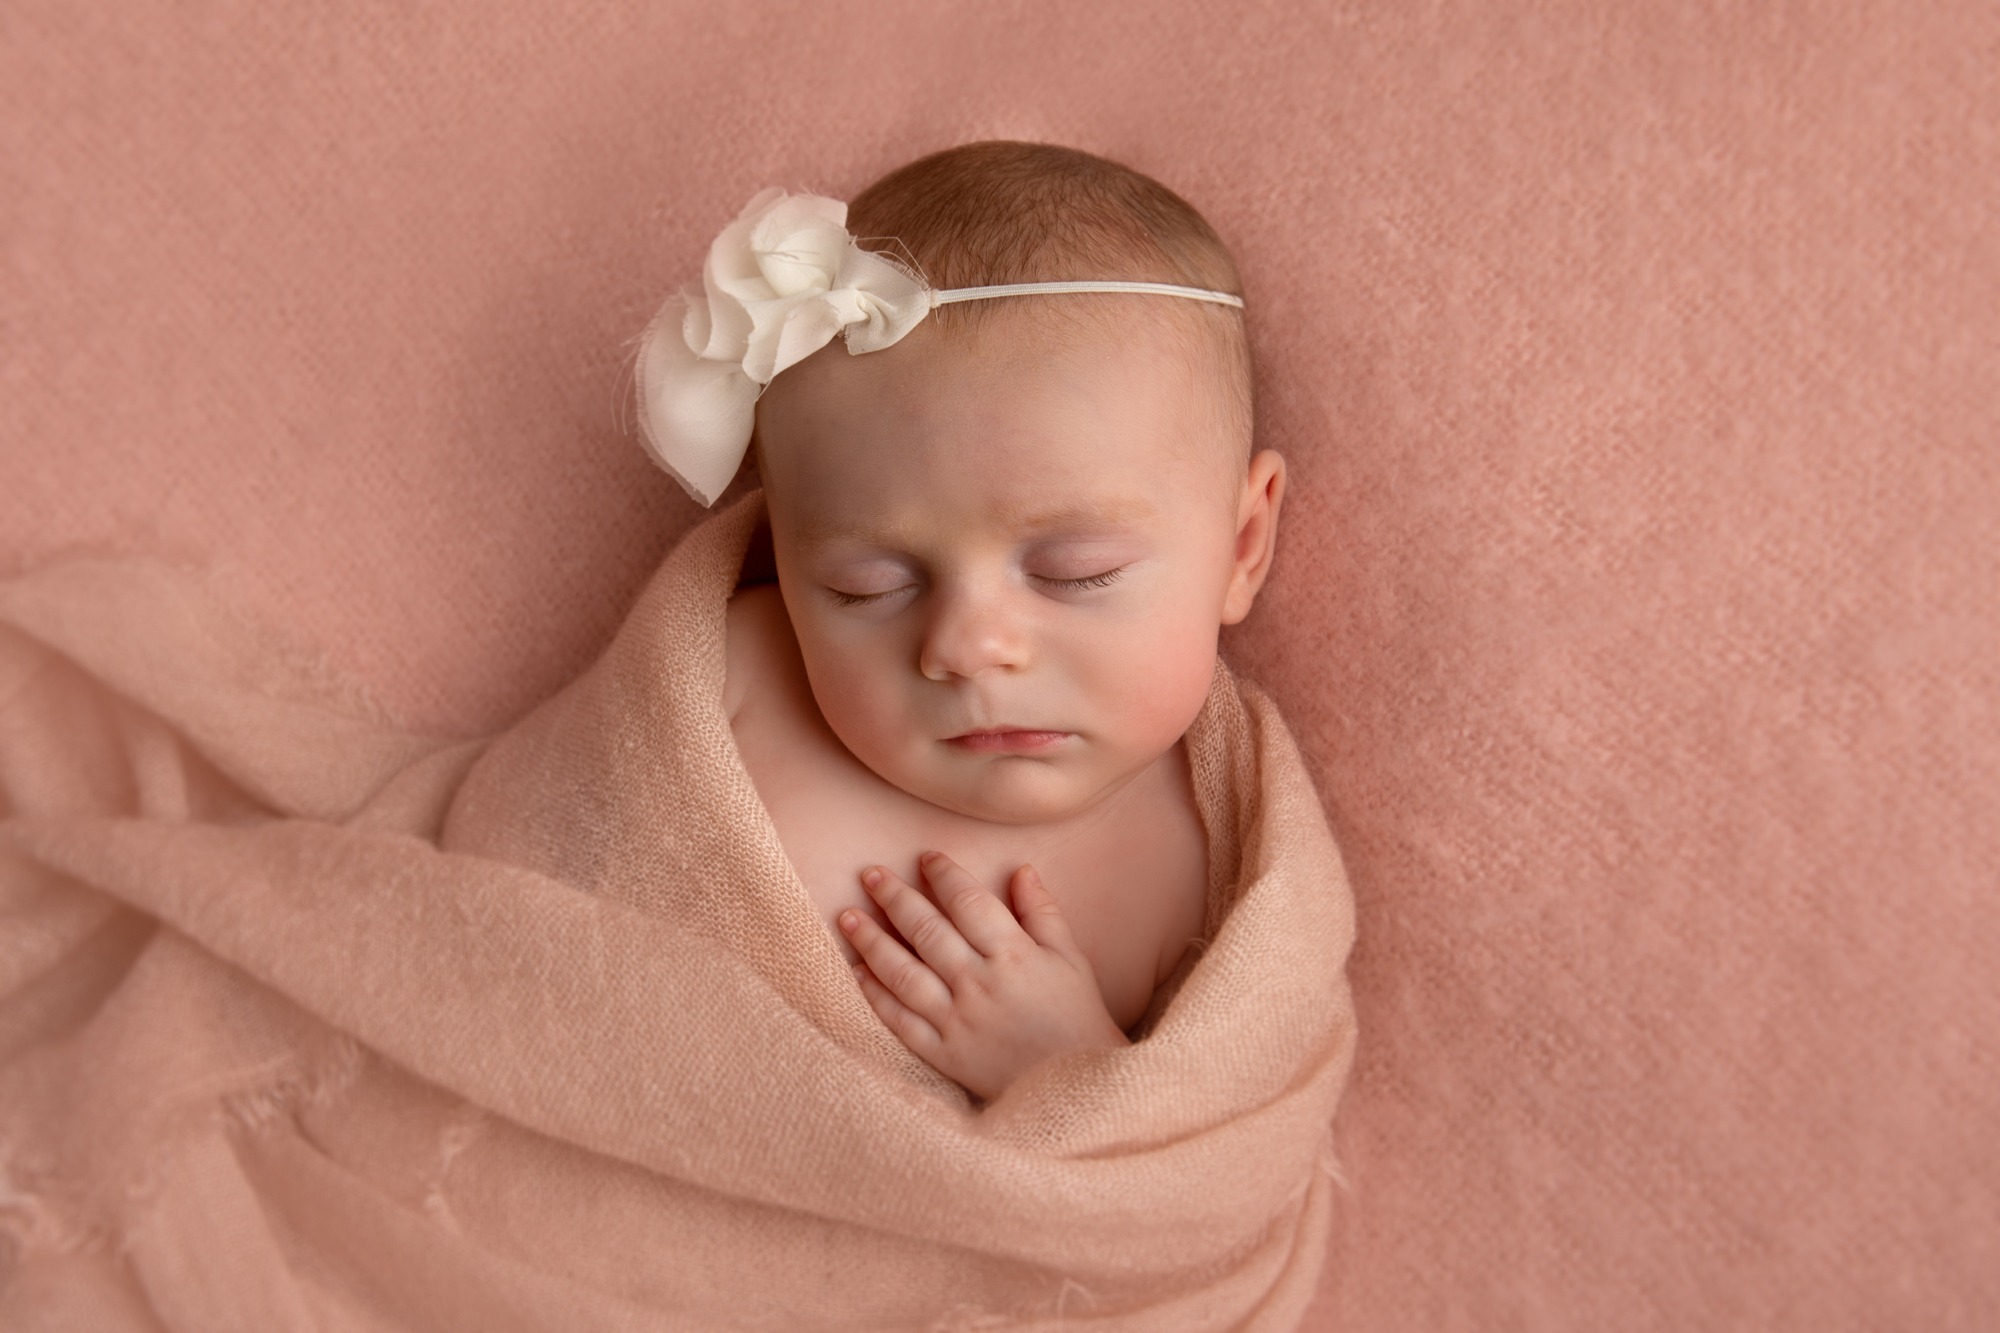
(758, 644)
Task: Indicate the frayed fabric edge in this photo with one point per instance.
(39, 1211)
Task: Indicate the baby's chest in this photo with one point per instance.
(1122, 892)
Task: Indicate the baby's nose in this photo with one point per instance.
(970, 634)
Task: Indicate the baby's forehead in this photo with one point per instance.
(1041, 394)
(1178, 341)
(864, 522)
(1087, 325)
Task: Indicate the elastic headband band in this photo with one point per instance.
(780, 282)
(955, 294)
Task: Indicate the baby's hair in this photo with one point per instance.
(1000, 212)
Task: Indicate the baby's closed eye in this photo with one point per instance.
(1101, 580)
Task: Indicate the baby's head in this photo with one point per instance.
(1032, 513)
(1007, 525)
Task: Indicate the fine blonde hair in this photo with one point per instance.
(1001, 212)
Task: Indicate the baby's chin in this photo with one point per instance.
(1003, 790)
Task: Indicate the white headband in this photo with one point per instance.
(780, 282)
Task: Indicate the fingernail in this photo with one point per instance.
(871, 877)
(849, 920)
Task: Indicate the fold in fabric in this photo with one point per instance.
(309, 1023)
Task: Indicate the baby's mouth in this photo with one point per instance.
(1007, 740)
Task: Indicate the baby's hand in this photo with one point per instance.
(989, 995)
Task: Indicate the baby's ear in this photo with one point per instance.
(1256, 533)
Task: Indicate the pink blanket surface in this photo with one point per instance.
(1633, 606)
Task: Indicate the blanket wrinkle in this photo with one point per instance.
(474, 1032)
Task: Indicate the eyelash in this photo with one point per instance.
(1107, 578)
(1104, 580)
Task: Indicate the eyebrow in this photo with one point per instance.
(1079, 515)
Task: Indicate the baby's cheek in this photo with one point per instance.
(872, 718)
(1159, 700)
(860, 711)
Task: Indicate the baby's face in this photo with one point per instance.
(1006, 561)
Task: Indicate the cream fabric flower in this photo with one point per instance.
(780, 282)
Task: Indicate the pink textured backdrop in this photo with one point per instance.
(1637, 365)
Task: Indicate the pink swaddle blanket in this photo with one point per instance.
(309, 1023)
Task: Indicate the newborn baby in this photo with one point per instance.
(1005, 541)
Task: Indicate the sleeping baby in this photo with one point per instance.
(1007, 522)
(304, 1018)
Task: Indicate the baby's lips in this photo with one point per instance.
(1008, 739)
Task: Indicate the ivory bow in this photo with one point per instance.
(779, 283)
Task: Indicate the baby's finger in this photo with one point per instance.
(1041, 916)
(978, 913)
(929, 931)
(909, 1026)
(915, 985)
